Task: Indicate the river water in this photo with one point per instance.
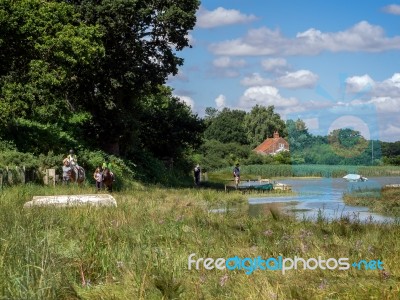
(323, 197)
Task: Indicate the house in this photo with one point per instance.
(272, 146)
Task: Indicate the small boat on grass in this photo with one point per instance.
(355, 178)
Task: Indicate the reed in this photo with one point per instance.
(140, 249)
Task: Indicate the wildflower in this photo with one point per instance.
(268, 232)
(223, 280)
(384, 274)
(323, 284)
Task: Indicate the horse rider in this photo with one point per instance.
(73, 162)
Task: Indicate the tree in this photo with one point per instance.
(261, 123)
(141, 39)
(87, 67)
(167, 126)
(298, 136)
(347, 142)
(227, 126)
(43, 46)
(211, 113)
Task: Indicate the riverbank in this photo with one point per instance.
(140, 249)
(385, 201)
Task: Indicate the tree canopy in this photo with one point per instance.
(226, 126)
(261, 123)
(91, 73)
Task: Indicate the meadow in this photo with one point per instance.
(140, 249)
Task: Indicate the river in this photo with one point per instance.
(323, 197)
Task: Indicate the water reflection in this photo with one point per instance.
(323, 197)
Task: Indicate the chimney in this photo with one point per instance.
(276, 134)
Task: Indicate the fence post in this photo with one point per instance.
(9, 176)
(50, 177)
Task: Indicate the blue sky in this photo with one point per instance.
(333, 64)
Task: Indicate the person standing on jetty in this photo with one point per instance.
(236, 174)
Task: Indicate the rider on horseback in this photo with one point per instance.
(73, 162)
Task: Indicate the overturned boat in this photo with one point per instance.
(354, 178)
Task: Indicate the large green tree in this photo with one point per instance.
(141, 39)
(226, 126)
(43, 47)
(168, 126)
(82, 72)
(261, 123)
(298, 135)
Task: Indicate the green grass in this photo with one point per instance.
(384, 201)
(140, 249)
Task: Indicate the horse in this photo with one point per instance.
(108, 179)
(77, 174)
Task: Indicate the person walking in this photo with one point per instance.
(98, 176)
(66, 168)
(196, 174)
(236, 174)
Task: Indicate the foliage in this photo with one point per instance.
(218, 155)
(298, 135)
(261, 123)
(347, 142)
(226, 126)
(141, 39)
(167, 125)
(88, 75)
(385, 201)
(46, 45)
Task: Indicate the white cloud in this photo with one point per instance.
(388, 88)
(298, 79)
(187, 100)
(382, 104)
(358, 84)
(227, 62)
(222, 17)
(180, 76)
(393, 9)
(191, 39)
(264, 41)
(292, 80)
(255, 79)
(312, 123)
(390, 133)
(266, 96)
(220, 101)
(275, 65)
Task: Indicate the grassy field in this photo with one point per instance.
(140, 249)
(385, 201)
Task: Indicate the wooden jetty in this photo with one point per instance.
(261, 185)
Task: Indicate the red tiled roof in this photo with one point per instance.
(270, 145)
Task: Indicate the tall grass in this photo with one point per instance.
(268, 171)
(139, 249)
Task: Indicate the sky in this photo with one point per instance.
(333, 63)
